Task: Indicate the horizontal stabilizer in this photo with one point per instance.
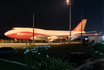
(92, 34)
(90, 31)
(100, 32)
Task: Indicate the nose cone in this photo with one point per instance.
(6, 33)
(9, 34)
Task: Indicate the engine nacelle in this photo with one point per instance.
(68, 37)
(72, 37)
(50, 39)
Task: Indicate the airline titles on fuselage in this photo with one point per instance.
(24, 34)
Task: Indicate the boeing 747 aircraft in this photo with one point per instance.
(47, 35)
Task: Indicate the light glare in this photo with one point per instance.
(103, 37)
(67, 1)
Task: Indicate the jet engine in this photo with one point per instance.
(72, 37)
(68, 37)
(50, 39)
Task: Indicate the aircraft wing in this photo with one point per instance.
(51, 36)
(67, 35)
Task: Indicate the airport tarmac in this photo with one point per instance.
(2, 44)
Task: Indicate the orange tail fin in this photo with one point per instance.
(78, 27)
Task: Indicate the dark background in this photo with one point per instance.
(50, 14)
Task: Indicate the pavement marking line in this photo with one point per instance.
(13, 62)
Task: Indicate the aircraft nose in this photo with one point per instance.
(6, 33)
(10, 34)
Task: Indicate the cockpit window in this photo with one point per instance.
(13, 29)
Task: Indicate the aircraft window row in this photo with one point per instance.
(13, 29)
(20, 29)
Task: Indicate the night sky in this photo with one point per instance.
(50, 14)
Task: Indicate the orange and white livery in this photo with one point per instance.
(47, 35)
